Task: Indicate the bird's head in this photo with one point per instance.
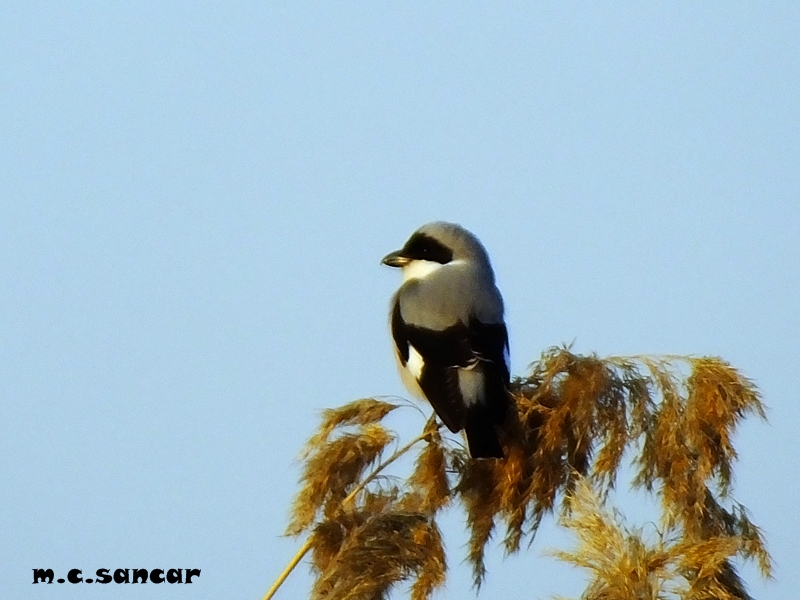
(434, 245)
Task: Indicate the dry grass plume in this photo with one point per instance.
(576, 418)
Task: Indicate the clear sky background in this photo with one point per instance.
(195, 196)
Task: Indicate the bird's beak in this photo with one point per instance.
(395, 259)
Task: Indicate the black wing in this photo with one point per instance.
(475, 345)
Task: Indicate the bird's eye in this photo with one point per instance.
(423, 247)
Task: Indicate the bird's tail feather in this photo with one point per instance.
(481, 434)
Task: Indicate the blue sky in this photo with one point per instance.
(194, 199)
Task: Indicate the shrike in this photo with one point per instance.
(449, 335)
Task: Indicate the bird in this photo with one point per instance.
(450, 338)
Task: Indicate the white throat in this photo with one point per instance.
(420, 269)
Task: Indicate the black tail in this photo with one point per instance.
(482, 433)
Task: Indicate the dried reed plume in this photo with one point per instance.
(623, 565)
(576, 418)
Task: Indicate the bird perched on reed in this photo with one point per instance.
(450, 339)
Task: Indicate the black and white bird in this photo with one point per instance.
(449, 335)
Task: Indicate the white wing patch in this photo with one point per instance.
(470, 379)
(415, 362)
(470, 382)
(410, 380)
